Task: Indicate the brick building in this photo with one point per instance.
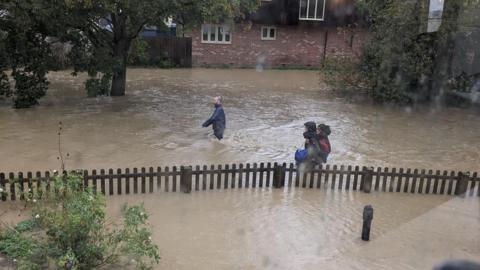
(281, 33)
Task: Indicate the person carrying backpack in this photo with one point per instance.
(323, 131)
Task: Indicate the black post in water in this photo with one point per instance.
(367, 222)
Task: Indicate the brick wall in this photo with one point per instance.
(295, 46)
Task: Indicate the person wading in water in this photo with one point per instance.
(217, 118)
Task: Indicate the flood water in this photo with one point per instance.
(304, 229)
(159, 123)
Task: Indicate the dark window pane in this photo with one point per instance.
(213, 30)
(265, 32)
(311, 9)
(205, 32)
(220, 33)
(272, 32)
(303, 8)
(320, 9)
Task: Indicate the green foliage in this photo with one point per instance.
(29, 87)
(138, 53)
(404, 64)
(98, 87)
(69, 228)
(5, 90)
(25, 51)
(341, 73)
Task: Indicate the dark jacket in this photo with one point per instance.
(218, 121)
(315, 153)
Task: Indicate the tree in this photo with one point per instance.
(125, 19)
(403, 63)
(25, 51)
(101, 32)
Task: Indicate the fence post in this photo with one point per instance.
(186, 179)
(279, 172)
(367, 179)
(462, 183)
(367, 222)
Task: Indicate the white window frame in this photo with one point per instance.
(308, 7)
(268, 33)
(217, 27)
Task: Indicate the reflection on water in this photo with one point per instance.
(159, 123)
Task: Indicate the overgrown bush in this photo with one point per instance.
(98, 87)
(341, 73)
(29, 87)
(68, 230)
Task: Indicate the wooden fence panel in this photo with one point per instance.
(233, 176)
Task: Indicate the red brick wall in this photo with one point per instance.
(295, 46)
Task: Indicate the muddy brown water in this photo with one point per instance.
(303, 229)
(159, 123)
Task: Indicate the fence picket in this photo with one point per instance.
(143, 180)
(254, 175)
(260, 180)
(472, 184)
(450, 182)
(226, 176)
(219, 177)
(119, 181)
(127, 181)
(385, 177)
(340, 180)
(174, 179)
(102, 181)
(327, 174)
(135, 180)
(407, 180)
(211, 176)
(414, 181)
(110, 181)
(399, 180)
(240, 175)
(234, 169)
(247, 176)
(436, 179)
(3, 186)
(334, 176)
(429, 181)
(197, 177)
(38, 180)
(150, 179)
(94, 181)
(378, 177)
(349, 174)
(355, 177)
(268, 175)
(204, 177)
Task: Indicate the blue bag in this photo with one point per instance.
(301, 155)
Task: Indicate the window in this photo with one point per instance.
(269, 33)
(216, 33)
(312, 10)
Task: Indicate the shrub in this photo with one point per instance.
(68, 230)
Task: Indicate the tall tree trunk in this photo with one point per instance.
(119, 79)
(121, 45)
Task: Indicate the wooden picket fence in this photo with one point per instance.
(262, 175)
